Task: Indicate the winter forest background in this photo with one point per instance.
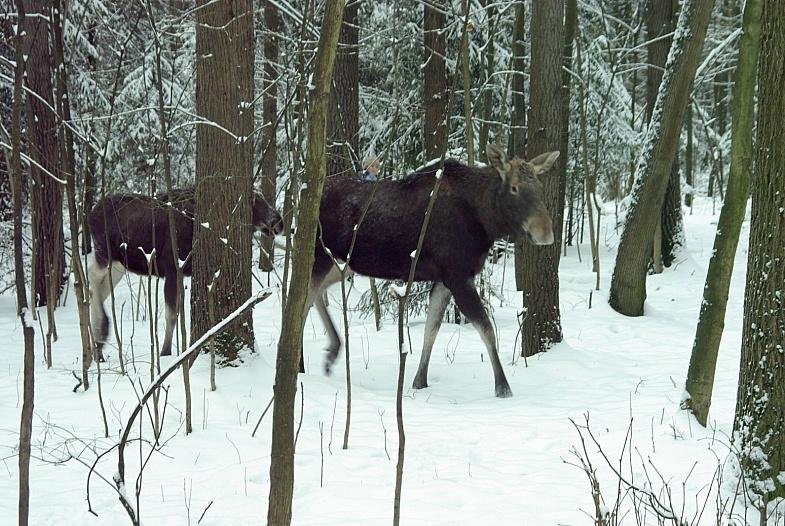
(645, 347)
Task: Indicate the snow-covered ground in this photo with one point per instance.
(470, 458)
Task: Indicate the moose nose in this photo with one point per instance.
(540, 230)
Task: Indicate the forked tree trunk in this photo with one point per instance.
(343, 122)
(434, 79)
(279, 511)
(269, 116)
(47, 193)
(222, 232)
(703, 362)
(760, 408)
(628, 285)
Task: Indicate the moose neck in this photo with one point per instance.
(484, 191)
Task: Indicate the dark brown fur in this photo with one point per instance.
(474, 207)
(128, 228)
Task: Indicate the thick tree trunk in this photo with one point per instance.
(760, 408)
(628, 285)
(540, 276)
(703, 362)
(222, 232)
(279, 511)
(269, 117)
(434, 79)
(343, 156)
(47, 193)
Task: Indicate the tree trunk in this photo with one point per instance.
(659, 22)
(15, 171)
(279, 511)
(628, 285)
(540, 276)
(689, 158)
(47, 193)
(269, 117)
(570, 25)
(343, 122)
(467, 83)
(434, 79)
(488, 95)
(222, 232)
(760, 408)
(517, 143)
(703, 362)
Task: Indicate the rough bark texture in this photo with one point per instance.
(222, 249)
(47, 193)
(269, 116)
(279, 511)
(434, 79)
(628, 285)
(343, 155)
(703, 362)
(540, 276)
(759, 427)
(659, 22)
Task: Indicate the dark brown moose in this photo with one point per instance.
(128, 229)
(474, 207)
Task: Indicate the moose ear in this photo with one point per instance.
(543, 162)
(498, 159)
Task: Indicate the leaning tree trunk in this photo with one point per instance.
(343, 122)
(759, 426)
(703, 362)
(540, 276)
(224, 190)
(628, 285)
(269, 118)
(434, 79)
(659, 22)
(279, 511)
(47, 193)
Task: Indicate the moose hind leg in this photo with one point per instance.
(437, 304)
(469, 302)
(98, 284)
(172, 310)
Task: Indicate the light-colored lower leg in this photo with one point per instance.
(437, 304)
(488, 335)
(171, 323)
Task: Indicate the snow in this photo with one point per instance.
(470, 457)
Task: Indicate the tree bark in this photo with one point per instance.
(760, 408)
(279, 511)
(47, 193)
(660, 22)
(434, 79)
(516, 146)
(343, 156)
(703, 362)
(15, 171)
(224, 190)
(628, 285)
(269, 116)
(540, 276)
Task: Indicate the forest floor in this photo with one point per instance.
(470, 458)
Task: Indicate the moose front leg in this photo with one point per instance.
(468, 301)
(437, 304)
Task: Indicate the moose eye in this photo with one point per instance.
(514, 189)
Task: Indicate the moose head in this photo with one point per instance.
(520, 198)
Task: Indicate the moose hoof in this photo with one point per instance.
(503, 391)
(419, 383)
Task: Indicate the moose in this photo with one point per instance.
(129, 229)
(474, 207)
